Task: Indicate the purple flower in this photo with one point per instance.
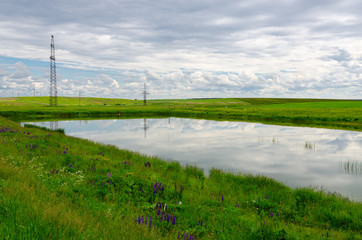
(173, 220)
(151, 221)
(109, 174)
(222, 198)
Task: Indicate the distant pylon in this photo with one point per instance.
(145, 95)
(53, 98)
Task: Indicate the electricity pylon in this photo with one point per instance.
(53, 98)
(145, 95)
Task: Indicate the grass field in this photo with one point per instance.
(341, 114)
(57, 187)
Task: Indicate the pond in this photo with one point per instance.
(297, 156)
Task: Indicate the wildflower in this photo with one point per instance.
(222, 198)
(272, 214)
(109, 174)
(181, 188)
(150, 223)
(70, 165)
(173, 220)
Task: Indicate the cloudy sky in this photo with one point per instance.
(183, 48)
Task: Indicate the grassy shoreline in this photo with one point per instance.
(53, 186)
(325, 113)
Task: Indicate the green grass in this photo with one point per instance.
(327, 113)
(57, 187)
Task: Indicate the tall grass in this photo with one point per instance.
(352, 167)
(57, 187)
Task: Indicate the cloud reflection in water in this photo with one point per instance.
(293, 155)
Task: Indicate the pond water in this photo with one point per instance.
(296, 156)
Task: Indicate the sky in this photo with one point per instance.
(183, 48)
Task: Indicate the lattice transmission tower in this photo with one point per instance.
(53, 98)
(145, 95)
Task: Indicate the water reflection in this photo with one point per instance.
(53, 125)
(296, 156)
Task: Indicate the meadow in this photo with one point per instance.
(53, 186)
(57, 187)
(340, 114)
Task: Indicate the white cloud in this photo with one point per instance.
(190, 48)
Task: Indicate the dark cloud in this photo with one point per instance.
(340, 55)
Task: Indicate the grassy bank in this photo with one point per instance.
(340, 114)
(58, 187)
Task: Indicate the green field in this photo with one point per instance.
(58, 187)
(340, 114)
